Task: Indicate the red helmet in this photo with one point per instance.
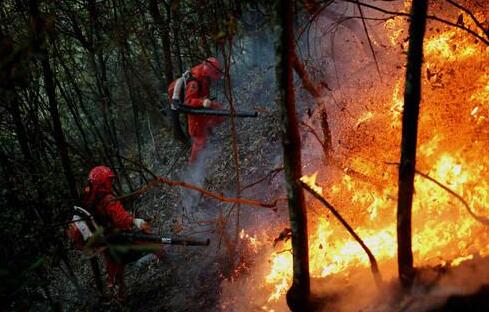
(212, 68)
(101, 175)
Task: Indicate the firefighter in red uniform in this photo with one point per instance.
(197, 95)
(111, 215)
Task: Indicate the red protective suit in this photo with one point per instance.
(196, 92)
(110, 214)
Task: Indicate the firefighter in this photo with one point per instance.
(197, 95)
(111, 215)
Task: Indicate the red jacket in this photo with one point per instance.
(113, 214)
(198, 88)
(196, 92)
(108, 211)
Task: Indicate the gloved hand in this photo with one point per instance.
(142, 225)
(207, 103)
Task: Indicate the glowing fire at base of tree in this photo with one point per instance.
(452, 149)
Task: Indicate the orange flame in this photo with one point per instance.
(442, 229)
(452, 144)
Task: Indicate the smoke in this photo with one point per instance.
(196, 173)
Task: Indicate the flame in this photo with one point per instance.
(452, 144)
(397, 105)
(436, 235)
(280, 274)
(311, 181)
(394, 26)
(252, 242)
(451, 46)
(364, 118)
(333, 252)
(459, 260)
(480, 99)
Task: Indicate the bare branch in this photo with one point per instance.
(368, 38)
(315, 134)
(472, 16)
(373, 262)
(481, 219)
(220, 197)
(270, 174)
(304, 76)
(431, 17)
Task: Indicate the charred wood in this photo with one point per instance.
(374, 267)
(298, 296)
(412, 97)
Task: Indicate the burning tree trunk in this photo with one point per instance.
(412, 96)
(298, 294)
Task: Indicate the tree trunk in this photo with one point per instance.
(126, 60)
(163, 26)
(91, 125)
(8, 172)
(96, 56)
(298, 294)
(164, 30)
(13, 107)
(135, 110)
(39, 42)
(175, 26)
(227, 51)
(412, 96)
(75, 115)
(22, 137)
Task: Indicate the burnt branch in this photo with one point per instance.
(160, 180)
(373, 262)
(326, 141)
(270, 175)
(315, 92)
(315, 134)
(407, 165)
(328, 144)
(481, 219)
(315, 11)
(472, 16)
(304, 76)
(430, 17)
(368, 37)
